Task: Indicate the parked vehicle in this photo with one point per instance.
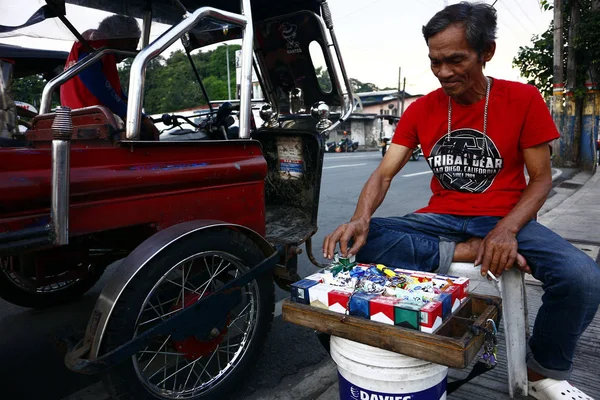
(20, 62)
(204, 226)
(331, 147)
(346, 145)
(416, 154)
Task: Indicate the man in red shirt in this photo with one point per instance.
(99, 84)
(477, 134)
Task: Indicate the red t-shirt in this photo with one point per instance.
(474, 175)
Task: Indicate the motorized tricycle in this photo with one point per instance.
(204, 226)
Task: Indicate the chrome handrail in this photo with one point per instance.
(71, 72)
(137, 74)
(350, 103)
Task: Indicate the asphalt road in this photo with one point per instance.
(32, 357)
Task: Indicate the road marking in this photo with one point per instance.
(417, 173)
(344, 165)
(337, 158)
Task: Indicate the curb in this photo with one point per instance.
(556, 173)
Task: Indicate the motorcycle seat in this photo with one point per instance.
(94, 125)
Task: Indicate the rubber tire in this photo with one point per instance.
(25, 298)
(415, 157)
(122, 382)
(383, 150)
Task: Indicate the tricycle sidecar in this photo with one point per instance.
(203, 226)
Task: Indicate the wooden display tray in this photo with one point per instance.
(453, 344)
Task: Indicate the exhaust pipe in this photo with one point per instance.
(62, 129)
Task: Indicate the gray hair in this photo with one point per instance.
(479, 20)
(119, 27)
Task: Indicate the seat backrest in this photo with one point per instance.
(92, 126)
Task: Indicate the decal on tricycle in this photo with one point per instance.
(204, 221)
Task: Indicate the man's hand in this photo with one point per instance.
(498, 252)
(354, 230)
(149, 130)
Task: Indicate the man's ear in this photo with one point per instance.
(488, 54)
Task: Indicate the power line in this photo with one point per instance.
(517, 19)
(526, 14)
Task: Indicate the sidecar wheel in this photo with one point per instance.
(200, 366)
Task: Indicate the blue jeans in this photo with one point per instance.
(571, 279)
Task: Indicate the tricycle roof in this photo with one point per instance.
(166, 11)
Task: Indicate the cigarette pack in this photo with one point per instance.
(338, 300)
(431, 316)
(382, 309)
(319, 295)
(446, 300)
(320, 277)
(299, 290)
(359, 304)
(423, 276)
(462, 282)
(407, 315)
(453, 291)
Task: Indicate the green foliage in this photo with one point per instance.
(171, 84)
(536, 62)
(588, 42)
(29, 90)
(324, 79)
(360, 87)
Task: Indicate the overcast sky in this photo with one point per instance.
(376, 36)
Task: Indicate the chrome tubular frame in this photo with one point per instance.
(72, 72)
(350, 101)
(138, 67)
(59, 212)
(146, 24)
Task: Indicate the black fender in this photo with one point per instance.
(135, 262)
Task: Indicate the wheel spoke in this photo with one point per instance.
(161, 346)
(239, 315)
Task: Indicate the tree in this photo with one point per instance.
(324, 79)
(360, 87)
(535, 62)
(171, 84)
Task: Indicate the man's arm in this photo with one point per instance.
(499, 248)
(370, 199)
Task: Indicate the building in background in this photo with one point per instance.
(368, 123)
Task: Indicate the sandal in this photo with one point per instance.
(550, 389)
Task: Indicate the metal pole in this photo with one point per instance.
(403, 93)
(558, 78)
(146, 24)
(399, 87)
(246, 72)
(62, 128)
(228, 76)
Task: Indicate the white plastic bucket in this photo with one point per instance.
(369, 373)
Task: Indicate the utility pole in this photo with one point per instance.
(399, 89)
(558, 78)
(228, 76)
(590, 114)
(571, 132)
(403, 93)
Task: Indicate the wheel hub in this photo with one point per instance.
(194, 347)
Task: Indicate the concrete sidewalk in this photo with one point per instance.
(573, 212)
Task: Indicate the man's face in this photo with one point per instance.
(456, 65)
(125, 45)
